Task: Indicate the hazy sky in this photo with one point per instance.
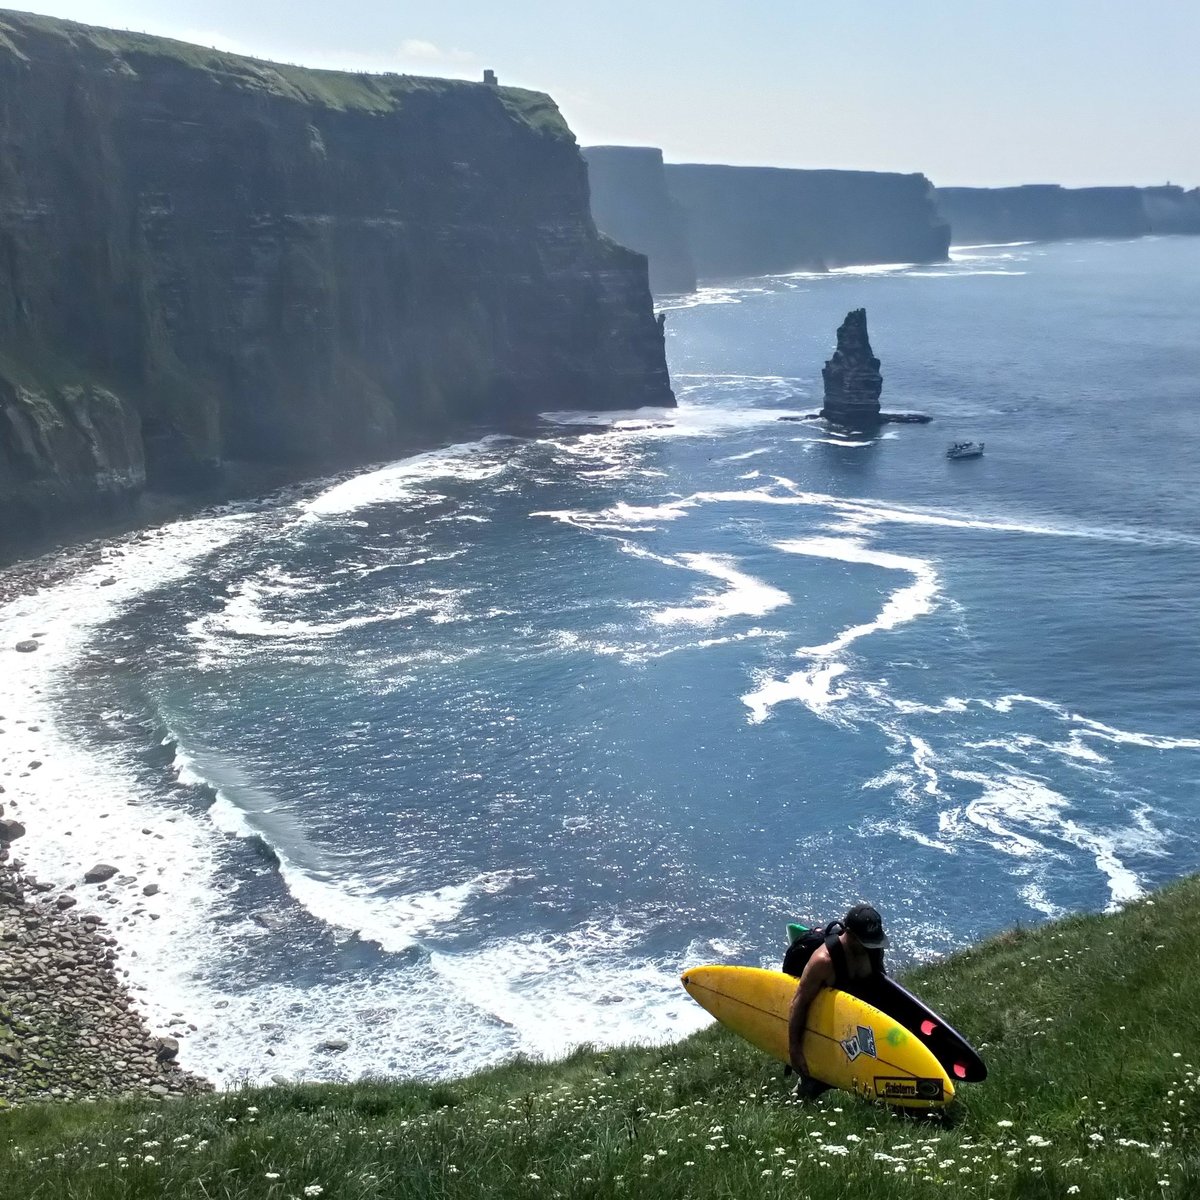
(968, 91)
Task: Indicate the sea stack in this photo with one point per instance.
(852, 379)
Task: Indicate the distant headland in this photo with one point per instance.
(711, 223)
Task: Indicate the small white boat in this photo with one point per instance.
(965, 450)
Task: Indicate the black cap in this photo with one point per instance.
(867, 925)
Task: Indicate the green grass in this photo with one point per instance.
(1090, 1027)
(342, 90)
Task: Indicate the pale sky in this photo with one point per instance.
(984, 92)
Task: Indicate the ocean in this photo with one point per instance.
(469, 755)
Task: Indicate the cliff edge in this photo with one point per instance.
(206, 258)
(630, 202)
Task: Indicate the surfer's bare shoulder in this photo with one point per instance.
(818, 971)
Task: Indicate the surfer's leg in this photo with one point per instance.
(809, 1089)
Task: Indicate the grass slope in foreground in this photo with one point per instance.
(1091, 1027)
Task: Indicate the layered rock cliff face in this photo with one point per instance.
(853, 383)
(1041, 212)
(207, 258)
(1170, 209)
(763, 220)
(1047, 212)
(630, 203)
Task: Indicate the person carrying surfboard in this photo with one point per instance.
(849, 960)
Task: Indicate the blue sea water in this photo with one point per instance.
(470, 754)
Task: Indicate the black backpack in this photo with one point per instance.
(805, 946)
(802, 949)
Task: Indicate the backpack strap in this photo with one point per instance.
(837, 956)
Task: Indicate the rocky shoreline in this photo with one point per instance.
(68, 1026)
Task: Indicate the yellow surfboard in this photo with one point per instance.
(847, 1042)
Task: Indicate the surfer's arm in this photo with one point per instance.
(818, 973)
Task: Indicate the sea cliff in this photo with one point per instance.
(630, 202)
(206, 259)
(715, 222)
(764, 220)
(1048, 212)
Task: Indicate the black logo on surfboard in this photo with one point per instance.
(890, 1088)
(861, 1042)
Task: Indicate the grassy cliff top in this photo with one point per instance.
(1090, 1027)
(22, 33)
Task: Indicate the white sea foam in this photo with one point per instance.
(1029, 745)
(1025, 817)
(833, 441)
(450, 1013)
(811, 685)
(1085, 727)
(454, 1011)
(621, 517)
(408, 480)
(1013, 811)
(910, 832)
(903, 605)
(665, 424)
(588, 985)
(88, 805)
(1034, 894)
(708, 295)
(392, 922)
(951, 273)
(255, 611)
(872, 269)
(860, 515)
(744, 597)
(964, 251)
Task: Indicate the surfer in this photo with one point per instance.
(850, 960)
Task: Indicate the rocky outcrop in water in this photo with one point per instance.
(208, 260)
(853, 382)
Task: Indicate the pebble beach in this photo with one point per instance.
(69, 1025)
